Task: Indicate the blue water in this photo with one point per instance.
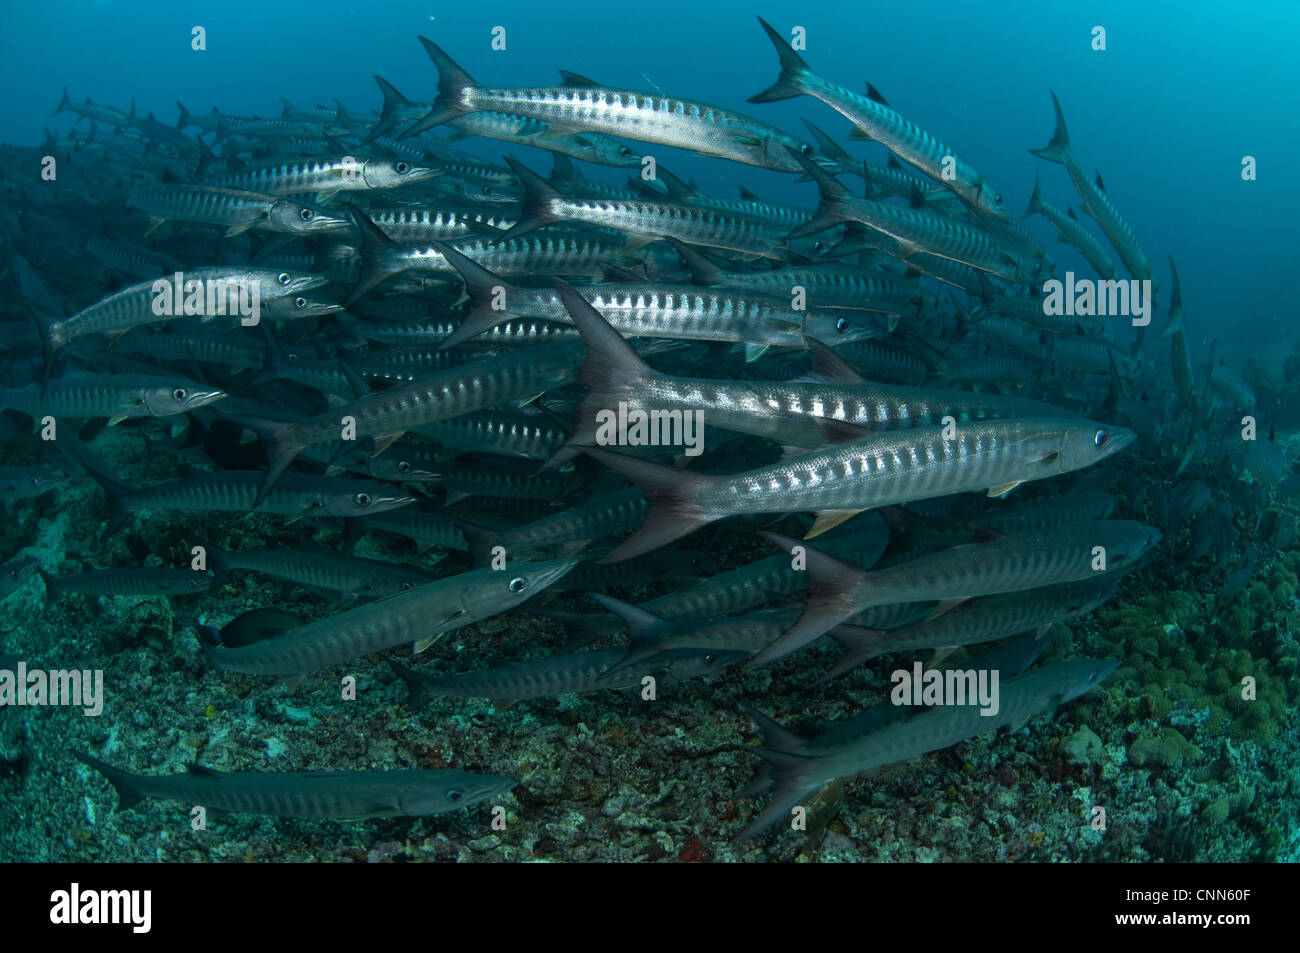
(1181, 94)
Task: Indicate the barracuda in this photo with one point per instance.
(588, 146)
(341, 575)
(826, 285)
(236, 491)
(798, 767)
(418, 617)
(794, 413)
(917, 231)
(654, 310)
(1072, 232)
(328, 175)
(981, 620)
(1095, 201)
(874, 119)
(459, 390)
(1009, 564)
(238, 209)
(347, 795)
(132, 306)
(644, 221)
(570, 255)
(700, 127)
(115, 396)
(881, 470)
(127, 582)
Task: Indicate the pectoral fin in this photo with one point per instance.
(829, 519)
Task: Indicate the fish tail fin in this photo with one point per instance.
(452, 82)
(116, 493)
(375, 269)
(388, 113)
(281, 448)
(64, 103)
(536, 211)
(218, 561)
(124, 783)
(1036, 199)
(207, 158)
(833, 192)
(793, 69)
(423, 688)
(829, 601)
(859, 644)
(670, 491)
(480, 540)
(52, 588)
(1175, 322)
(786, 775)
(52, 338)
(611, 372)
(482, 287)
(1058, 150)
(643, 629)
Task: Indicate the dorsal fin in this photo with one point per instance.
(703, 271)
(576, 79)
(876, 95)
(640, 623)
(747, 195)
(678, 190)
(1100, 184)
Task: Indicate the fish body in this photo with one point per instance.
(346, 795)
(876, 120)
(418, 617)
(588, 107)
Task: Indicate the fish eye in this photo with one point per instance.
(306, 214)
(710, 659)
(179, 394)
(806, 149)
(518, 584)
(453, 795)
(403, 467)
(624, 151)
(842, 325)
(819, 245)
(407, 587)
(284, 278)
(487, 190)
(1101, 438)
(362, 499)
(402, 168)
(300, 302)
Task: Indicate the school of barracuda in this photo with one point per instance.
(441, 346)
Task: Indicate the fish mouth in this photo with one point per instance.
(300, 283)
(1120, 438)
(503, 784)
(382, 504)
(544, 575)
(203, 398)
